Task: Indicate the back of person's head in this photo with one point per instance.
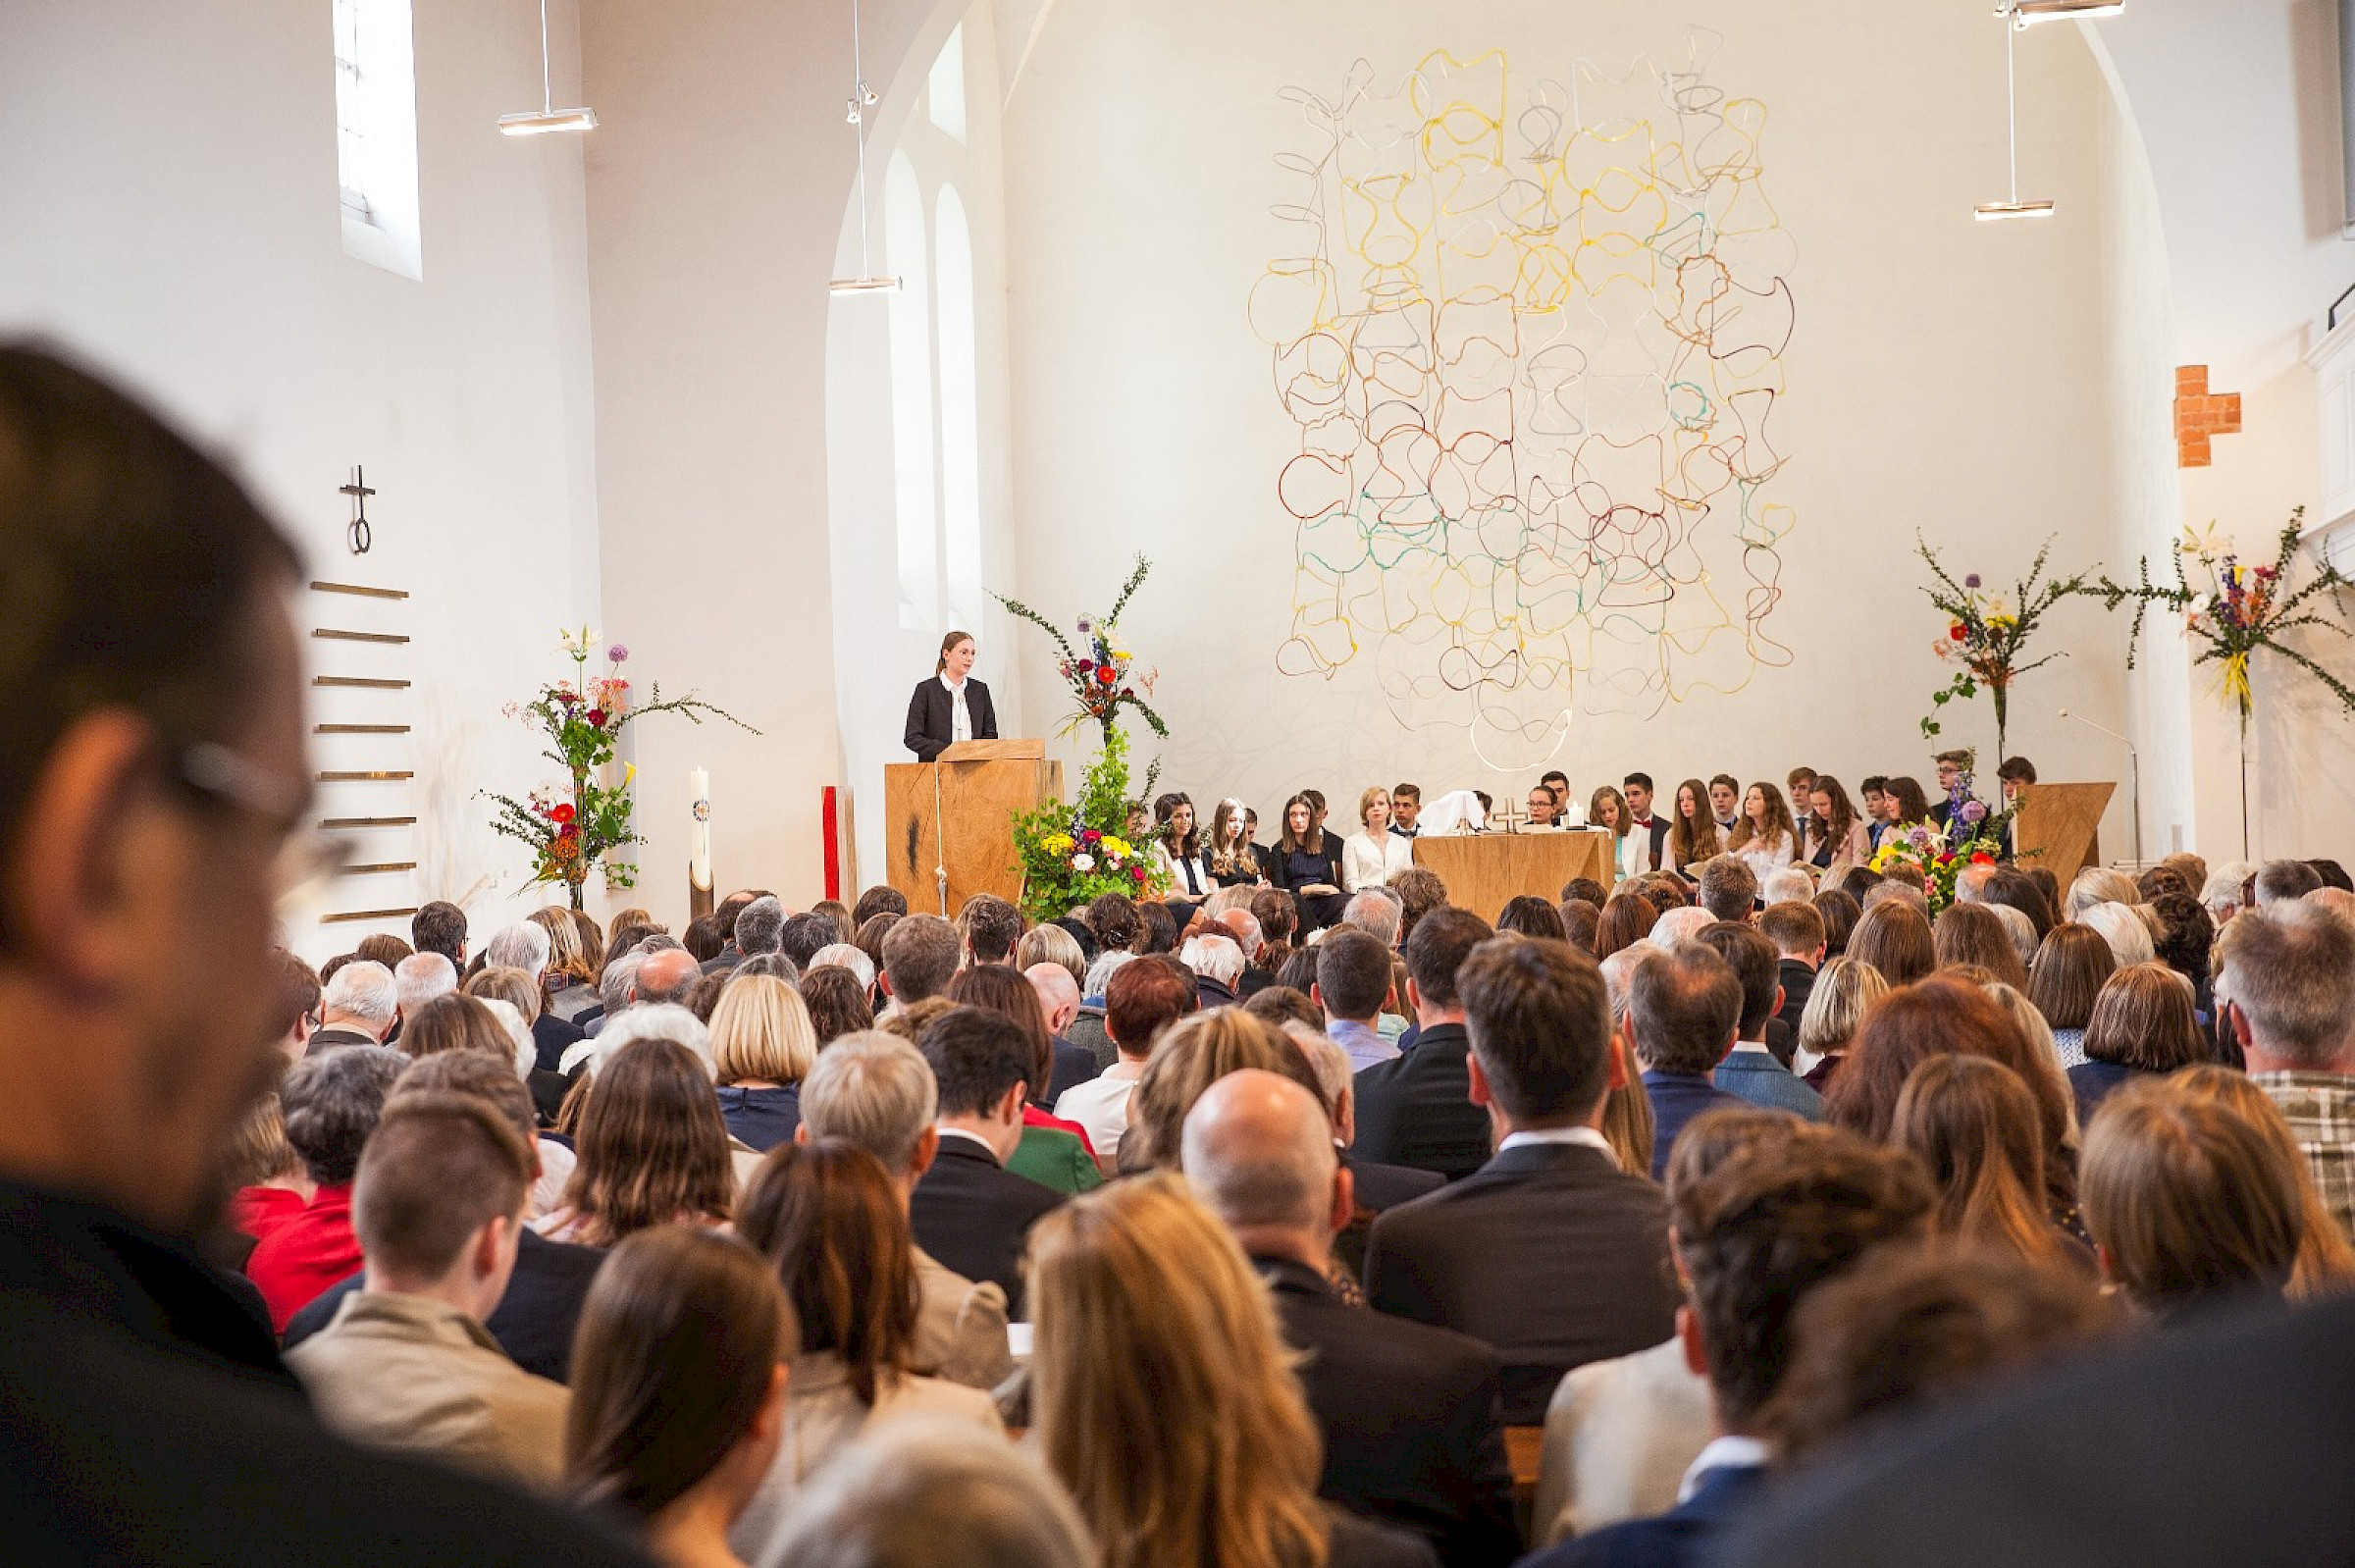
(381, 947)
(524, 946)
(1149, 1320)
(828, 1215)
(1790, 885)
(2278, 882)
(837, 1004)
(1001, 990)
(439, 927)
(1795, 1205)
(1684, 1007)
(1973, 1124)
(1049, 943)
(1893, 937)
(1540, 1019)
(877, 901)
(1283, 1007)
(437, 1170)
(1844, 989)
(2187, 935)
(2289, 971)
(1840, 912)
(670, 974)
(1795, 927)
(1754, 964)
(876, 1090)
(674, 1367)
(1677, 927)
(331, 1102)
(257, 1150)
(1214, 956)
(1190, 1056)
(1626, 920)
(919, 956)
(1441, 940)
(2188, 1201)
(363, 991)
(1973, 933)
(2012, 888)
(760, 1030)
(760, 927)
(1114, 920)
(1900, 1031)
(1353, 975)
(1530, 916)
(919, 1491)
(2123, 927)
(1902, 885)
(472, 1073)
(803, 934)
(2098, 884)
(1729, 889)
(2071, 965)
(1157, 927)
(991, 927)
(657, 1021)
(2325, 1257)
(703, 937)
(454, 1022)
(1142, 999)
(977, 1055)
(1580, 921)
(1376, 912)
(1914, 1327)
(512, 986)
(1713, 1137)
(1258, 1148)
(2143, 1020)
(651, 1143)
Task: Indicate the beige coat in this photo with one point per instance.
(960, 1327)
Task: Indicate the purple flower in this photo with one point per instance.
(1920, 837)
(618, 654)
(1974, 811)
(1972, 581)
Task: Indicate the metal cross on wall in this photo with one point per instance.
(359, 534)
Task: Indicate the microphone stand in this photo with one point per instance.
(2134, 761)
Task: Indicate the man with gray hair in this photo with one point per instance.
(420, 978)
(1679, 926)
(1217, 964)
(1409, 1411)
(525, 945)
(876, 1090)
(919, 958)
(669, 974)
(1059, 1000)
(651, 1020)
(2285, 982)
(845, 956)
(360, 1006)
(1884, 891)
(760, 927)
(2279, 881)
(1790, 885)
(1376, 912)
(1971, 883)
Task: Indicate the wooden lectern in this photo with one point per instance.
(2057, 828)
(956, 816)
(1484, 872)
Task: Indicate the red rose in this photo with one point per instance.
(1137, 872)
(1087, 666)
(567, 698)
(561, 813)
(1091, 835)
(569, 830)
(1956, 631)
(596, 716)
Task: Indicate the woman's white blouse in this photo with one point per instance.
(1764, 859)
(1365, 864)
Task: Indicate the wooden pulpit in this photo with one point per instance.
(2057, 828)
(1485, 871)
(956, 816)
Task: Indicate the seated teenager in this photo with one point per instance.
(1306, 863)
(1180, 850)
(1373, 855)
(762, 1043)
(1972, 1125)
(653, 1149)
(1233, 859)
(1054, 1152)
(1766, 839)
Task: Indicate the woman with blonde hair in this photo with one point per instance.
(1765, 838)
(1844, 989)
(1607, 808)
(1627, 1110)
(571, 990)
(2190, 1203)
(1152, 1327)
(1190, 1056)
(762, 1044)
(1693, 835)
(2325, 1260)
(1373, 855)
(1972, 1123)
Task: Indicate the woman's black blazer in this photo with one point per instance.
(932, 724)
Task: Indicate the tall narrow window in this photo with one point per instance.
(960, 411)
(912, 429)
(946, 86)
(375, 134)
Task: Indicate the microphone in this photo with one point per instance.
(2134, 760)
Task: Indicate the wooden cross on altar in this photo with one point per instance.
(359, 534)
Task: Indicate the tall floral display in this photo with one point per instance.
(1073, 854)
(1972, 835)
(1986, 632)
(574, 828)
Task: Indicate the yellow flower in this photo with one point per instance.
(1055, 843)
(1113, 846)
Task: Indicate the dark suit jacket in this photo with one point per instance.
(1075, 1064)
(1409, 1415)
(1549, 1252)
(325, 1040)
(2224, 1443)
(1381, 1186)
(974, 1215)
(1416, 1109)
(150, 1420)
(1687, 1534)
(1799, 983)
(932, 721)
(1677, 1099)
(534, 1321)
(551, 1035)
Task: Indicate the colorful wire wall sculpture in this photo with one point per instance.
(1533, 342)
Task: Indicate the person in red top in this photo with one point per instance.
(331, 1104)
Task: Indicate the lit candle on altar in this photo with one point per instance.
(699, 833)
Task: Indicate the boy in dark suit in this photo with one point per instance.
(968, 1210)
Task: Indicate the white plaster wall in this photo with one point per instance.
(167, 173)
(1945, 375)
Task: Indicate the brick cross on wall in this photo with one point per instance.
(2200, 416)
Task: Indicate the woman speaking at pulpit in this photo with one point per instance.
(952, 706)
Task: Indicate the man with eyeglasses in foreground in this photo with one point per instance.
(152, 808)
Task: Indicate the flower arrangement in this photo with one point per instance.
(1072, 854)
(573, 828)
(1987, 631)
(1924, 852)
(2239, 609)
(1101, 672)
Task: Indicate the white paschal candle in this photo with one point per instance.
(699, 833)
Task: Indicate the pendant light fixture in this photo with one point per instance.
(547, 117)
(863, 99)
(2013, 207)
(2028, 12)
